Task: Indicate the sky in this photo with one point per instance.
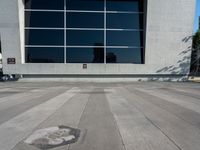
(197, 15)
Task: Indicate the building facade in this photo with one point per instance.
(140, 39)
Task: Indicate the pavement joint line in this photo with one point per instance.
(123, 143)
(174, 121)
(113, 94)
(162, 107)
(34, 101)
(189, 105)
(164, 135)
(171, 139)
(78, 125)
(77, 93)
(25, 94)
(14, 101)
(154, 123)
(23, 125)
(181, 92)
(56, 110)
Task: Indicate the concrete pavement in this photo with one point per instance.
(115, 116)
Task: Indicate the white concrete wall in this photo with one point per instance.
(10, 34)
(169, 28)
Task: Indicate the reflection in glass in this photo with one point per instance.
(124, 55)
(124, 38)
(44, 4)
(44, 37)
(124, 21)
(85, 20)
(111, 57)
(44, 55)
(98, 52)
(125, 5)
(44, 19)
(84, 37)
(85, 55)
(96, 5)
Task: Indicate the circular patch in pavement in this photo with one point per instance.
(53, 137)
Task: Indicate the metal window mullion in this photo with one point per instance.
(115, 29)
(85, 46)
(123, 47)
(43, 10)
(85, 11)
(124, 12)
(91, 29)
(43, 28)
(61, 46)
(65, 32)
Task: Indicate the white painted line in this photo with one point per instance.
(16, 129)
(137, 132)
(17, 96)
(9, 101)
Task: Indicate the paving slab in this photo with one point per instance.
(15, 106)
(14, 130)
(136, 130)
(186, 114)
(101, 131)
(110, 116)
(184, 135)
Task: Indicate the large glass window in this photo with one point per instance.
(45, 4)
(125, 5)
(123, 55)
(84, 37)
(44, 37)
(94, 5)
(44, 55)
(84, 31)
(85, 20)
(124, 21)
(44, 19)
(123, 38)
(85, 55)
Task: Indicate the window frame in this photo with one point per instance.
(104, 29)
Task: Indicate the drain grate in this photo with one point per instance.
(53, 137)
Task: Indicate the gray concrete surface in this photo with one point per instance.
(111, 116)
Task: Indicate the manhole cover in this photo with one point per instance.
(53, 137)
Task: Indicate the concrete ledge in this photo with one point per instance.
(101, 78)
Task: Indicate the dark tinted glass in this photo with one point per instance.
(44, 55)
(85, 5)
(123, 38)
(85, 55)
(44, 19)
(85, 20)
(44, 37)
(44, 4)
(125, 5)
(85, 37)
(125, 55)
(124, 21)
